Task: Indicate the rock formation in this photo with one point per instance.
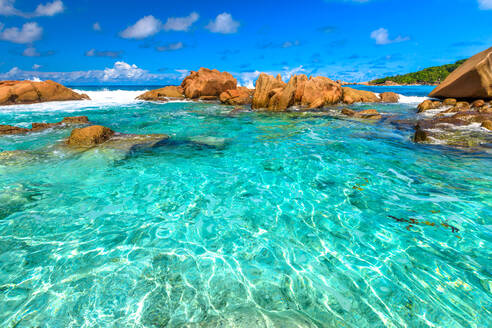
(275, 95)
(369, 114)
(351, 96)
(207, 84)
(389, 97)
(28, 92)
(239, 96)
(89, 136)
(36, 127)
(171, 92)
(472, 80)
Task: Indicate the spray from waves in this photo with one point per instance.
(99, 99)
(411, 99)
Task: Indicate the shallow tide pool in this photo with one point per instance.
(241, 220)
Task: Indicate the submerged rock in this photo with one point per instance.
(36, 127)
(389, 97)
(207, 83)
(28, 92)
(171, 92)
(89, 136)
(237, 97)
(487, 124)
(351, 96)
(370, 114)
(472, 80)
(9, 129)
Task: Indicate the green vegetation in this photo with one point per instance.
(429, 75)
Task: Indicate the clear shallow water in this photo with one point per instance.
(241, 220)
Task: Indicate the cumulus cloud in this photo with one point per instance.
(105, 53)
(7, 8)
(96, 27)
(143, 28)
(180, 23)
(120, 72)
(382, 37)
(485, 4)
(28, 33)
(170, 47)
(223, 23)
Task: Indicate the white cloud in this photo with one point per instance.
(143, 28)
(7, 8)
(96, 26)
(485, 4)
(31, 52)
(49, 9)
(105, 53)
(29, 33)
(223, 23)
(36, 66)
(382, 37)
(120, 72)
(180, 23)
(171, 47)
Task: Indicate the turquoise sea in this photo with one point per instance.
(241, 219)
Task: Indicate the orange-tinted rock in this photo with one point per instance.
(207, 83)
(75, 120)
(487, 124)
(9, 129)
(239, 96)
(263, 88)
(89, 136)
(478, 103)
(351, 96)
(425, 106)
(163, 94)
(370, 114)
(27, 92)
(472, 117)
(472, 80)
(449, 102)
(42, 126)
(389, 97)
(320, 91)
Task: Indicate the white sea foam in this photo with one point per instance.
(411, 99)
(100, 98)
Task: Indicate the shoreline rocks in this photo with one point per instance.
(36, 127)
(171, 92)
(89, 136)
(471, 80)
(237, 97)
(28, 92)
(207, 84)
(369, 114)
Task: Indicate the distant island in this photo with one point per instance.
(432, 76)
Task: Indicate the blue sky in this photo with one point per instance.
(157, 42)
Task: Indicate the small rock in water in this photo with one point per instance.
(209, 141)
(89, 136)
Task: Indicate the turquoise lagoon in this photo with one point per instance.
(241, 219)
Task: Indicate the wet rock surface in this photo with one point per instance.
(163, 94)
(29, 92)
(368, 114)
(37, 127)
(89, 136)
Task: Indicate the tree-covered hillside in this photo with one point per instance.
(429, 75)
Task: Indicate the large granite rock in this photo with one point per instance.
(472, 80)
(389, 97)
(239, 96)
(264, 86)
(273, 94)
(9, 129)
(171, 92)
(351, 96)
(207, 84)
(89, 136)
(28, 92)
